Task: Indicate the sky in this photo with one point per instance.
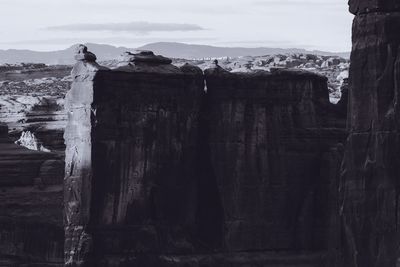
(57, 24)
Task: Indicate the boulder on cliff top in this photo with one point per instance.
(146, 62)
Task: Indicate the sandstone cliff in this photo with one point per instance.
(160, 172)
(371, 168)
(274, 158)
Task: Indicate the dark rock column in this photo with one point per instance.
(273, 158)
(371, 168)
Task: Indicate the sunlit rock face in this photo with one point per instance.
(30, 141)
(30, 205)
(371, 168)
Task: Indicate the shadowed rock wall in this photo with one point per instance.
(161, 173)
(273, 153)
(371, 168)
(31, 232)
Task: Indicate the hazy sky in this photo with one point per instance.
(57, 24)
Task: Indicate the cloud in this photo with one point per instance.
(297, 3)
(136, 26)
(106, 40)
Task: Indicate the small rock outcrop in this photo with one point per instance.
(30, 141)
(371, 167)
(31, 194)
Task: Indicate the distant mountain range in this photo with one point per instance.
(168, 49)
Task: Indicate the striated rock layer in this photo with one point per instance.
(371, 168)
(32, 99)
(160, 172)
(30, 206)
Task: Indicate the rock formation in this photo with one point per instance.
(274, 158)
(30, 206)
(30, 141)
(131, 141)
(173, 167)
(160, 172)
(371, 168)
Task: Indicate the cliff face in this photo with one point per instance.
(30, 205)
(274, 157)
(371, 166)
(161, 173)
(131, 142)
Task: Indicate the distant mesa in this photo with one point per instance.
(168, 49)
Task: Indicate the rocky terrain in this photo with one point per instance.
(32, 99)
(335, 68)
(106, 52)
(259, 169)
(162, 172)
(32, 95)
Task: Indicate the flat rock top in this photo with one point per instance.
(148, 68)
(146, 62)
(369, 6)
(146, 57)
(273, 73)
